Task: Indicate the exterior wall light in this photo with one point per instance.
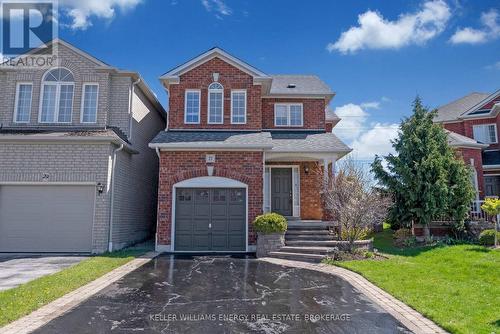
(100, 188)
(306, 169)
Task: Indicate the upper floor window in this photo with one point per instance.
(90, 93)
(485, 133)
(56, 99)
(288, 114)
(192, 107)
(22, 109)
(215, 103)
(238, 106)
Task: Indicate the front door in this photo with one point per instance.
(281, 191)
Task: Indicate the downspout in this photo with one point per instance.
(130, 101)
(112, 204)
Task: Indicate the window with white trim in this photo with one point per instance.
(215, 103)
(238, 106)
(23, 102)
(485, 133)
(288, 114)
(56, 101)
(90, 93)
(192, 107)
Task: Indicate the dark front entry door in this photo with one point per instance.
(281, 191)
(210, 219)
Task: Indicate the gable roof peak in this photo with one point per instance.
(208, 55)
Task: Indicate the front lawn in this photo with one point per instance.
(20, 301)
(456, 286)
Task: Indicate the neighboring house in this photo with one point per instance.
(239, 143)
(473, 124)
(76, 173)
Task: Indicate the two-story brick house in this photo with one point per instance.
(76, 173)
(239, 143)
(473, 124)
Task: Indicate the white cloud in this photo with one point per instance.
(81, 11)
(353, 118)
(375, 32)
(376, 140)
(218, 6)
(494, 66)
(490, 30)
(370, 105)
(364, 137)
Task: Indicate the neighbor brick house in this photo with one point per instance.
(239, 143)
(76, 173)
(473, 124)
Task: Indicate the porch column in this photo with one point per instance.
(334, 160)
(325, 170)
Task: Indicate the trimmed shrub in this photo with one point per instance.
(270, 223)
(487, 237)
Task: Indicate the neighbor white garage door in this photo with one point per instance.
(46, 218)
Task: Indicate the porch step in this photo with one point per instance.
(307, 250)
(297, 256)
(301, 224)
(312, 243)
(311, 237)
(311, 231)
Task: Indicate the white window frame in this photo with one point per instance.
(16, 104)
(244, 91)
(83, 101)
(288, 105)
(485, 125)
(185, 105)
(222, 104)
(58, 85)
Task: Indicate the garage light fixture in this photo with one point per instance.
(306, 170)
(100, 188)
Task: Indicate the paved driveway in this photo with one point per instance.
(225, 295)
(16, 269)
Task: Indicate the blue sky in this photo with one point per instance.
(376, 55)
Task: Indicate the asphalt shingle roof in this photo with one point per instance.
(452, 110)
(213, 138)
(455, 139)
(276, 141)
(307, 142)
(304, 85)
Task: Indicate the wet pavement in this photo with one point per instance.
(224, 294)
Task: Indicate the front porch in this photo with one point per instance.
(293, 184)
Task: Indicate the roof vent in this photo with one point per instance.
(291, 85)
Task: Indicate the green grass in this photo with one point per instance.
(456, 286)
(20, 301)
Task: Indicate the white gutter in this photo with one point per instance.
(130, 101)
(112, 188)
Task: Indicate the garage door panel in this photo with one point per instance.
(217, 218)
(46, 218)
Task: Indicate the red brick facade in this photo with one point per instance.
(200, 78)
(244, 166)
(177, 166)
(465, 128)
(467, 154)
(313, 112)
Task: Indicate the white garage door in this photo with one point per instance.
(46, 218)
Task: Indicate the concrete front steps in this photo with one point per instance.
(309, 241)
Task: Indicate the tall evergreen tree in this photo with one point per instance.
(426, 177)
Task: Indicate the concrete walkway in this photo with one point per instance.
(58, 307)
(413, 320)
(17, 269)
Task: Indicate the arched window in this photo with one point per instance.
(215, 103)
(56, 102)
